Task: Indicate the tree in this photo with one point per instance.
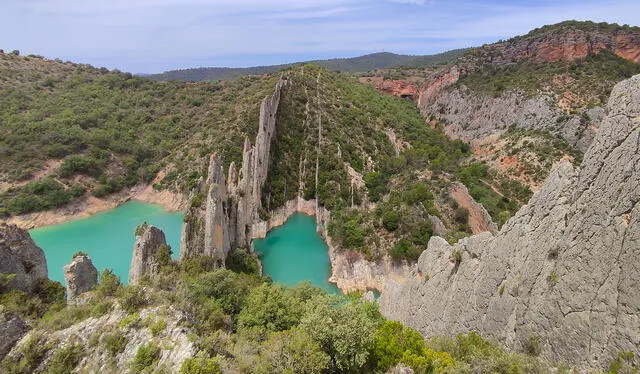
(344, 331)
(269, 308)
(291, 351)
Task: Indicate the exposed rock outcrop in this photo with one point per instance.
(173, 341)
(19, 255)
(479, 219)
(395, 87)
(12, 329)
(145, 261)
(81, 276)
(563, 269)
(229, 213)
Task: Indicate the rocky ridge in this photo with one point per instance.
(226, 218)
(561, 273)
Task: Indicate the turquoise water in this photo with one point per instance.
(106, 237)
(295, 252)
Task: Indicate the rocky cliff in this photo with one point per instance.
(81, 276)
(19, 255)
(223, 213)
(144, 261)
(562, 272)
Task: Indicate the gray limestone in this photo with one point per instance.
(563, 269)
(19, 255)
(81, 276)
(144, 261)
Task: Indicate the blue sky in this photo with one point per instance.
(148, 36)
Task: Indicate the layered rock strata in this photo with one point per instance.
(562, 271)
(81, 276)
(21, 258)
(145, 261)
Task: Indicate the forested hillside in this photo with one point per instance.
(348, 65)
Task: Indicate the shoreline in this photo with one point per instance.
(349, 272)
(91, 205)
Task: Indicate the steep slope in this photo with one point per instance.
(561, 275)
(527, 102)
(351, 65)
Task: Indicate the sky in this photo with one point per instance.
(151, 36)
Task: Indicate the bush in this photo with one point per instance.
(241, 260)
(163, 255)
(109, 284)
(65, 360)
(79, 254)
(114, 342)
(132, 298)
(391, 220)
(200, 365)
(146, 357)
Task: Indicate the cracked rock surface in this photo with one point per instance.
(564, 269)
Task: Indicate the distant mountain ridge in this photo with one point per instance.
(363, 63)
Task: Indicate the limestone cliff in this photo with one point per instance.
(19, 255)
(563, 270)
(144, 261)
(81, 276)
(222, 214)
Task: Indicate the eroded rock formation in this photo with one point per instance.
(19, 255)
(81, 276)
(229, 214)
(145, 261)
(563, 270)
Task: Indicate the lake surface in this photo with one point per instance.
(106, 237)
(295, 252)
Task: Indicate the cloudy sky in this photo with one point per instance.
(148, 36)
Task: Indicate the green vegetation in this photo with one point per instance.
(480, 180)
(350, 65)
(241, 322)
(590, 78)
(78, 130)
(65, 359)
(146, 358)
(114, 342)
(565, 26)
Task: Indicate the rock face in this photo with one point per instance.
(229, 215)
(563, 269)
(173, 341)
(144, 261)
(479, 219)
(395, 87)
(81, 276)
(19, 255)
(12, 329)
(471, 116)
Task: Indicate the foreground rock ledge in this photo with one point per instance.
(564, 270)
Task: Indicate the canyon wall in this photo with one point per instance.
(563, 271)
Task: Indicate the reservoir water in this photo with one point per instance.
(106, 237)
(295, 252)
